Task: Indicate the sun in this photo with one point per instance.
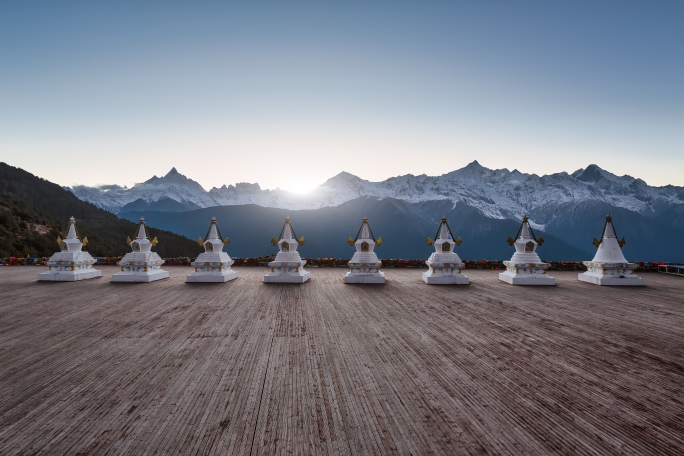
(299, 187)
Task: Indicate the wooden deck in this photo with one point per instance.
(326, 368)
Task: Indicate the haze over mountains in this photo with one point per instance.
(478, 200)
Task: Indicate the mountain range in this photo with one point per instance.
(483, 204)
(497, 194)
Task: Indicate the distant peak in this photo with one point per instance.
(474, 164)
(344, 174)
(591, 174)
(173, 172)
(577, 173)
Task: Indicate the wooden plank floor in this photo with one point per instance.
(325, 368)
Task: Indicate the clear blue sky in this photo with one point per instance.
(290, 93)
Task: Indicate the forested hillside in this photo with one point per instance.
(34, 211)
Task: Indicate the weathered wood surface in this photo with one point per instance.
(326, 368)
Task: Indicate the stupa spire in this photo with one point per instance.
(72, 229)
(525, 232)
(287, 229)
(609, 229)
(141, 229)
(364, 229)
(213, 230)
(444, 229)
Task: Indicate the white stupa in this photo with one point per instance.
(365, 265)
(444, 266)
(288, 266)
(609, 266)
(213, 265)
(70, 264)
(141, 265)
(525, 267)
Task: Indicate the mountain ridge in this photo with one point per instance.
(497, 193)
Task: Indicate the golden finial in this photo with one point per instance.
(85, 241)
(540, 241)
(200, 241)
(226, 241)
(430, 242)
(350, 241)
(59, 241)
(621, 242)
(128, 240)
(609, 218)
(301, 241)
(378, 242)
(524, 218)
(274, 241)
(458, 242)
(596, 242)
(155, 241)
(510, 241)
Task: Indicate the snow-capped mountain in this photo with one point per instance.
(497, 193)
(173, 187)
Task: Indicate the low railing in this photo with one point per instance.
(671, 269)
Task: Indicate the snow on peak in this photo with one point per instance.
(497, 193)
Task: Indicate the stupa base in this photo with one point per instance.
(526, 279)
(140, 276)
(299, 277)
(455, 279)
(69, 276)
(212, 277)
(375, 277)
(630, 281)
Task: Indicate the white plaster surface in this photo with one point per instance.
(69, 276)
(609, 266)
(351, 277)
(141, 277)
(300, 277)
(523, 279)
(140, 265)
(525, 267)
(444, 265)
(632, 280)
(451, 279)
(365, 265)
(213, 265)
(71, 263)
(215, 278)
(288, 266)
